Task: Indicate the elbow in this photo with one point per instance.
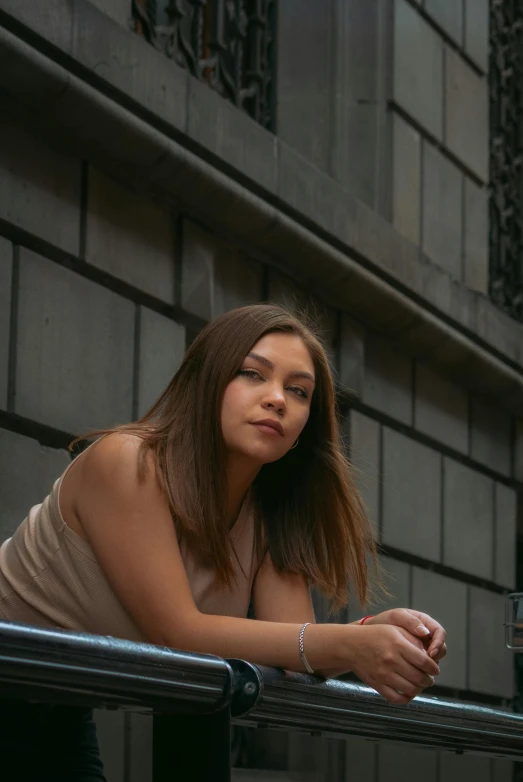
(182, 635)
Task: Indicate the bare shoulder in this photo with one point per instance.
(115, 452)
(111, 464)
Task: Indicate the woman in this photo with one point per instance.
(232, 487)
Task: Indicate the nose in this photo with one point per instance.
(274, 399)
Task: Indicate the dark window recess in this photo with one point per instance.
(506, 155)
(230, 44)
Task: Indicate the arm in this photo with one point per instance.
(280, 597)
(130, 529)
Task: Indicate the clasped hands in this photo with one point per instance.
(399, 675)
(421, 627)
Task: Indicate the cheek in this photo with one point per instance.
(233, 402)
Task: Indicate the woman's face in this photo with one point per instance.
(274, 385)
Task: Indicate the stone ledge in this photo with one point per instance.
(362, 265)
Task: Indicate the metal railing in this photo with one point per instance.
(193, 699)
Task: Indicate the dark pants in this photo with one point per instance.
(48, 743)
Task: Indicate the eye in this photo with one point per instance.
(300, 391)
(250, 373)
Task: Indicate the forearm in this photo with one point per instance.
(331, 673)
(326, 646)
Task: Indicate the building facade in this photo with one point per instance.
(161, 163)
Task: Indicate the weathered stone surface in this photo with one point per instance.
(388, 379)
(466, 114)
(411, 496)
(505, 543)
(128, 63)
(252, 775)
(359, 108)
(315, 193)
(396, 578)
(456, 768)
(162, 347)
(53, 20)
(518, 450)
(476, 237)
(404, 763)
(6, 271)
(448, 15)
(418, 90)
(27, 473)
(351, 358)
(441, 409)
(310, 758)
(442, 210)
(360, 759)
(398, 582)
(110, 728)
(57, 383)
(468, 520)
(199, 250)
(406, 179)
(477, 31)
(130, 237)
(237, 281)
(304, 92)
(119, 10)
(490, 436)
(237, 139)
(215, 277)
(39, 187)
(445, 599)
(365, 456)
(141, 748)
(447, 294)
(497, 329)
(502, 770)
(490, 662)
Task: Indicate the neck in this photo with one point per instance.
(240, 474)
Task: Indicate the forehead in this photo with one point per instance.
(285, 349)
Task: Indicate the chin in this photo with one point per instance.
(263, 454)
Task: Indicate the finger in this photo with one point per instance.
(419, 660)
(404, 686)
(438, 639)
(416, 623)
(413, 675)
(393, 696)
(417, 642)
(438, 654)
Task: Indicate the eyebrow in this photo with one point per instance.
(270, 365)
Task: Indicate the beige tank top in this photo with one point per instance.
(49, 575)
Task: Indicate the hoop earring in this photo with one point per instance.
(295, 444)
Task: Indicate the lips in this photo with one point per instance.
(270, 424)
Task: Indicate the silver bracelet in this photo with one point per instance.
(302, 653)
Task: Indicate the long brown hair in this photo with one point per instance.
(308, 512)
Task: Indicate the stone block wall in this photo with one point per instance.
(391, 100)
(103, 289)
(440, 133)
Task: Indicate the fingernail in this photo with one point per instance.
(423, 629)
(434, 652)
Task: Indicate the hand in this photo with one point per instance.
(417, 624)
(392, 661)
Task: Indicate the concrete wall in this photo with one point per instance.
(102, 286)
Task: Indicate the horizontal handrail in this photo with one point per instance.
(294, 701)
(105, 671)
(50, 664)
